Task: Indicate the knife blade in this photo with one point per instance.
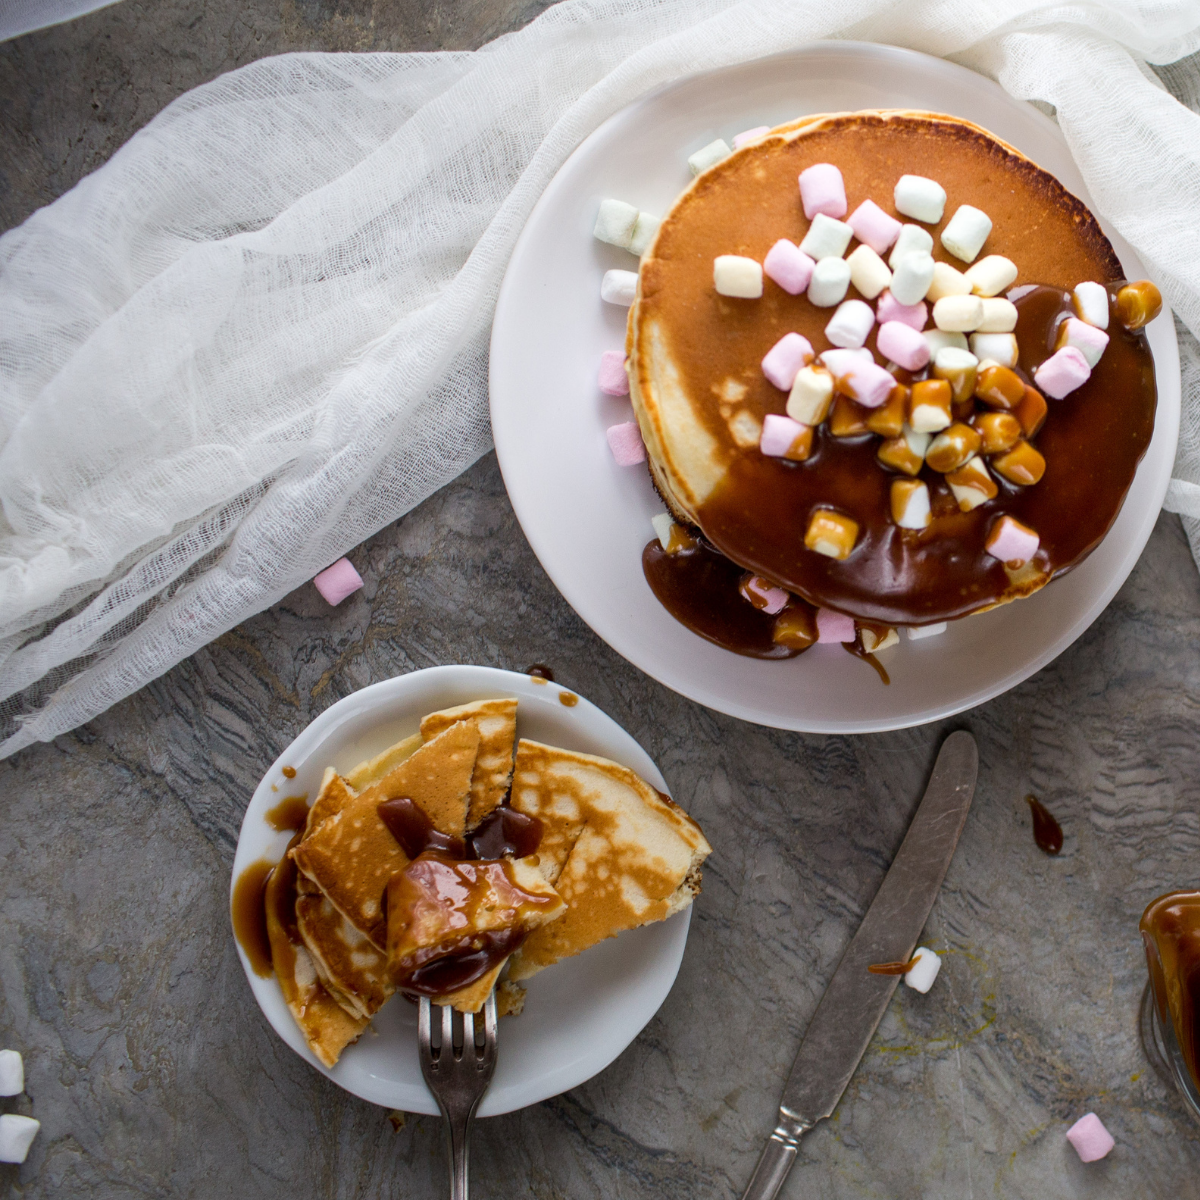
(855, 1000)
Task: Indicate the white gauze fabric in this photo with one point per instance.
(259, 333)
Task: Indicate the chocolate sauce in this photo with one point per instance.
(447, 972)
(503, 833)
(540, 671)
(892, 968)
(290, 813)
(1047, 832)
(249, 915)
(1170, 929)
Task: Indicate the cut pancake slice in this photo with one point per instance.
(351, 969)
(496, 721)
(618, 852)
(374, 769)
(332, 798)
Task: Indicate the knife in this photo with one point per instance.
(855, 1000)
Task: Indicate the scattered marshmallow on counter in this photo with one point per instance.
(999, 316)
(966, 232)
(625, 442)
(788, 266)
(850, 325)
(735, 275)
(873, 227)
(868, 272)
(826, 238)
(830, 279)
(783, 437)
(834, 626)
(917, 632)
(1090, 1139)
(811, 395)
(337, 582)
(750, 135)
(1001, 348)
(611, 376)
(763, 594)
(991, 275)
(947, 282)
(619, 287)
(912, 240)
(785, 358)
(615, 222)
(890, 309)
(1091, 303)
(903, 345)
(823, 191)
(16, 1136)
(926, 964)
(1011, 542)
(1062, 373)
(920, 198)
(958, 314)
(708, 155)
(12, 1073)
(663, 524)
(911, 277)
(1087, 339)
(643, 233)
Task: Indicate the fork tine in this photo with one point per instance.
(448, 1031)
(424, 1028)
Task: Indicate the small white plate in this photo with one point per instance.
(588, 519)
(579, 1014)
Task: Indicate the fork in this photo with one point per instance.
(458, 1059)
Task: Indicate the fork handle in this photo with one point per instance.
(773, 1166)
(458, 1128)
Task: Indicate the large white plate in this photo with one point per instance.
(579, 1014)
(587, 519)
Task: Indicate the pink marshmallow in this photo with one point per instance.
(785, 359)
(889, 308)
(873, 227)
(778, 434)
(612, 377)
(861, 379)
(822, 191)
(903, 345)
(789, 266)
(1062, 372)
(1012, 542)
(750, 134)
(625, 442)
(1090, 1139)
(339, 581)
(764, 595)
(834, 626)
(1087, 339)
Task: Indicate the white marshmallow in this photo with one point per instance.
(706, 156)
(954, 358)
(917, 632)
(1087, 339)
(16, 1136)
(812, 393)
(913, 239)
(873, 646)
(958, 314)
(916, 440)
(663, 524)
(615, 222)
(619, 287)
(827, 237)
(850, 325)
(868, 272)
(999, 316)
(991, 275)
(920, 198)
(734, 275)
(939, 339)
(925, 968)
(1001, 347)
(838, 362)
(643, 233)
(830, 279)
(947, 282)
(911, 277)
(12, 1073)
(964, 493)
(966, 232)
(928, 419)
(917, 513)
(1091, 302)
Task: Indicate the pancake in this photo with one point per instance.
(349, 966)
(700, 396)
(496, 721)
(373, 770)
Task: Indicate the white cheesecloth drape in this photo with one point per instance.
(259, 333)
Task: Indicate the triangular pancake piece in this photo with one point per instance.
(618, 852)
(352, 971)
(332, 798)
(374, 769)
(496, 721)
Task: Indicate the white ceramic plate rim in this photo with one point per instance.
(581, 1013)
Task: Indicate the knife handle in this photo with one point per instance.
(773, 1165)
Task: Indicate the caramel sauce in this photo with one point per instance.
(503, 833)
(249, 915)
(1170, 929)
(409, 825)
(568, 699)
(290, 813)
(1047, 832)
(892, 968)
(540, 673)
(855, 647)
(289, 772)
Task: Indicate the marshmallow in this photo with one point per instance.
(890, 309)
(12, 1073)
(734, 275)
(788, 266)
(972, 484)
(811, 395)
(866, 382)
(749, 135)
(826, 238)
(785, 358)
(625, 442)
(991, 275)
(1001, 348)
(643, 233)
(611, 376)
(831, 533)
(834, 626)
(1089, 1137)
(1087, 339)
(868, 272)
(839, 360)
(910, 504)
(939, 339)
(1011, 542)
(850, 325)
(958, 314)
(780, 436)
(930, 407)
(911, 277)
(947, 282)
(1091, 303)
(999, 316)
(830, 279)
(966, 232)
(873, 227)
(619, 287)
(920, 198)
(16, 1136)
(763, 594)
(903, 345)
(822, 191)
(615, 222)
(926, 964)
(917, 632)
(708, 155)
(1062, 373)
(872, 642)
(954, 358)
(337, 582)
(912, 239)
(663, 524)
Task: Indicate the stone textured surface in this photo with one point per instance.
(153, 1072)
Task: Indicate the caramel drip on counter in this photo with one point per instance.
(1170, 929)
(892, 968)
(1047, 832)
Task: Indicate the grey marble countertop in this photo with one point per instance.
(153, 1072)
